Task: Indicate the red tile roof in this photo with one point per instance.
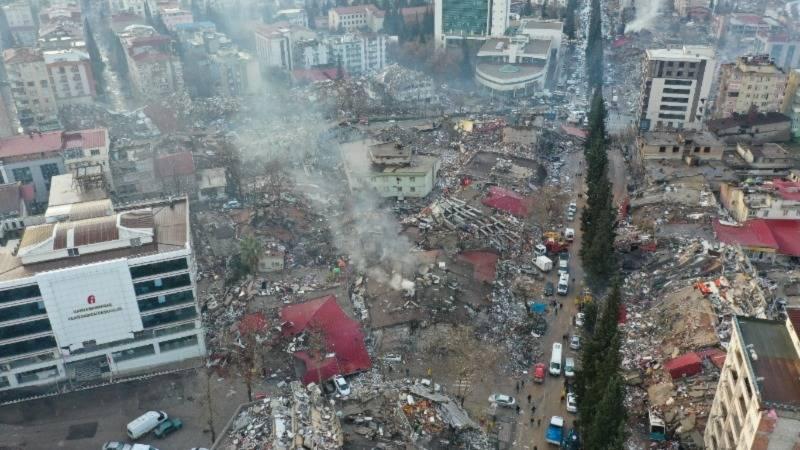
(175, 164)
(575, 131)
(782, 236)
(794, 318)
(345, 352)
(51, 141)
(484, 264)
(252, 323)
(316, 74)
(508, 201)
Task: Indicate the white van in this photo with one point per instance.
(563, 284)
(145, 423)
(555, 360)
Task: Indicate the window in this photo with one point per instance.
(676, 149)
(43, 83)
(678, 82)
(4, 383)
(411, 179)
(669, 73)
(72, 252)
(133, 353)
(162, 284)
(23, 175)
(662, 149)
(49, 170)
(94, 152)
(173, 265)
(22, 311)
(697, 149)
(672, 108)
(676, 91)
(72, 153)
(412, 189)
(166, 317)
(174, 344)
(163, 301)
(675, 99)
(692, 65)
(24, 329)
(706, 149)
(37, 374)
(20, 293)
(28, 346)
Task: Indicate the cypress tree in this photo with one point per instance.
(594, 47)
(569, 18)
(94, 56)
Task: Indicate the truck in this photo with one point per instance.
(544, 263)
(555, 431)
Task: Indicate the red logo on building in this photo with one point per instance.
(91, 300)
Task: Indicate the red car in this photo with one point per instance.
(538, 373)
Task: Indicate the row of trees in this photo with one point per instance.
(599, 385)
(598, 382)
(569, 18)
(594, 47)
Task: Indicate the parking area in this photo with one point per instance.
(85, 420)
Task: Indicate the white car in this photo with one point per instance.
(502, 400)
(575, 342)
(573, 207)
(572, 403)
(579, 318)
(342, 387)
(569, 367)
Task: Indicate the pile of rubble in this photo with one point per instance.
(298, 418)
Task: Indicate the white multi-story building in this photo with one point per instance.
(31, 89)
(513, 65)
(172, 17)
(71, 76)
(293, 16)
(358, 52)
(782, 48)
(275, 44)
(106, 293)
(758, 395)
(470, 19)
(21, 23)
(676, 88)
(552, 30)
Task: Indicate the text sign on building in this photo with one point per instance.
(91, 303)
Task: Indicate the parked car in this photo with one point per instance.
(575, 342)
(231, 204)
(549, 289)
(342, 387)
(579, 318)
(572, 403)
(145, 423)
(573, 207)
(116, 446)
(569, 367)
(167, 427)
(502, 400)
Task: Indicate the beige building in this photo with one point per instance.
(766, 156)
(154, 71)
(355, 17)
(700, 145)
(71, 76)
(757, 402)
(777, 199)
(31, 89)
(750, 82)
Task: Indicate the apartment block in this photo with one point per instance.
(757, 401)
(358, 52)
(71, 76)
(349, 18)
(31, 89)
(35, 158)
(782, 47)
(698, 145)
(128, 6)
(21, 23)
(61, 27)
(153, 69)
(676, 88)
(750, 82)
(776, 199)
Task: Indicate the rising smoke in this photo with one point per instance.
(646, 14)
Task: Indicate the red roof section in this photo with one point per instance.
(787, 190)
(684, 365)
(252, 323)
(782, 236)
(484, 264)
(575, 131)
(51, 141)
(175, 164)
(319, 74)
(345, 352)
(508, 201)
